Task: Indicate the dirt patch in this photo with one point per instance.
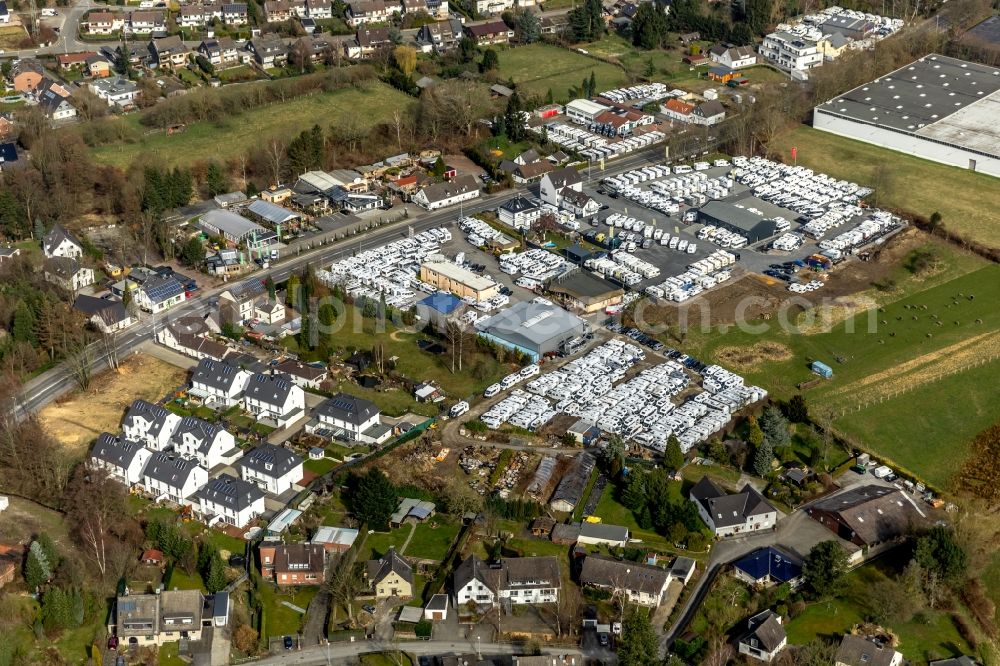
(749, 358)
(83, 415)
(24, 519)
(922, 369)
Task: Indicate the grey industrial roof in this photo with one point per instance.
(939, 98)
(227, 222)
(584, 285)
(531, 324)
(281, 460)
(738, 216)
(217, 374)
(633, 576)
(846, 23)
(269, 389)
(271, 212)
(115, 450)
(349, 408)
(230, 492)
(170, 469)
(604, 531)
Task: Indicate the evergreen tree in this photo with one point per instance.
(592, 84)
(673, 457)
(37, 571)
(798, 411)
(39, 229)
(48, 547)
(193, 253)
(374, 499)
(327, 317)
(13, 221)
(549, 97)
(514, 118)
(293, 291)
(271, 288)
(762, 459)
(439, 167)
(824, 567)
(490, 62)
(633, 494)
(215, 577)
(754, 434)
(775, 428)
(24, 323)
(639, 645)
(215, 179)
(527, 27)
(649, 27)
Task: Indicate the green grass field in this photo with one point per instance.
(432, 539)
(538, 68)
(899, 367)
(282, 620)
(929, 635)
(917, 186)
(206, 140)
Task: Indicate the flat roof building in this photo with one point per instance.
(461, 282)
(739, 219)
(583, 291)
(938, 108)
(534, 329)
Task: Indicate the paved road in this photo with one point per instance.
(48, 386)
(338, 652)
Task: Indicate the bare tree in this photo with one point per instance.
(109, 345)
(276, 159)
(79, 361)
(98, 517)
(456, 333)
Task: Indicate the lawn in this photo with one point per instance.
(539, 68)
(386, 659)
(222, 141)
(916, 186)
(320, 467)
(181, 580)
(168, 655)
(282, 620)
(11, 36)
(378, 544)
(433, 539)
(614, 513)
(929, 635)
(891, 362)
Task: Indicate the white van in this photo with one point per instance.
(458, 409)
(492, 391)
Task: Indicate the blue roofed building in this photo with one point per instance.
(438, 308)
(767, 567)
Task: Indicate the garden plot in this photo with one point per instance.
(389, 270)
(642, 408)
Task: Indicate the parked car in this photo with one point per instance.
(288, 642)
(368, 608)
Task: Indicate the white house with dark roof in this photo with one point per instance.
(123, 459)
(738, 513)
(272, 468)
(553, 183)
(173, 477)
(274, 397)
(230, 500)
(208, 443)
(150, 424)
(764, 637)
(643, 584)
(218, 382)
(520, 212)
(107, 316)
(447, 193)
(159, 293)
(68, 273)
(603, 533)
(522, 580)
(304, 374)
(348, 413)
(188, 335)
(61, 243)
(241, 298)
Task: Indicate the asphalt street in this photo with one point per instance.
(337, 653)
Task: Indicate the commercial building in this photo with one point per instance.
(867, 516)
(236, 229)
(582, 291)
(584, 112)
(461, 282)
(534, 329)
(938, 108)
(738, 219)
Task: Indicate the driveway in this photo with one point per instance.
(314, 628)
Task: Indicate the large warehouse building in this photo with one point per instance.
(535, 329)
(744, 219)
(937, 108)
(462, 282)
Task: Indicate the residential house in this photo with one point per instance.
(764, 638)
(73, 61)
(278, 11)
(602, 533)
(441, 36)
(68, 273)
(514, 580)
(360, 12)
(61, 243)
(348, 416)
(97, 66)
(150, 424)
(391, 576)
(104, 23)
(4, 19)
(733, 57)
(620, 122)
(240, 300)
(869, 516)
(293, 564)
(268, 51)
(519, 212)
(578, 204)
(124, 460)
(274, 397)
(226, 263)
(189, 336)
(677, 109)
(107, 316)
(722, 74)
(448, 193)
(147, 22)
(709, 113)
(168, 52)
(8, 253)
(317, 9)
(268, 310)
(235, 13)
(863, 651)
(832, 46)
(220, 52)
(791, 52)
(768, 567)
(489, 32)
(367, 41)
(553, 184)
(193, 16)
(54, 100)
(218, 382)
(306, 376)
(117, 91)
(642, 584)
(738, 513)
(159, 293)
(230, 500)
(173, 477)
(271, 467)
(530, 172)
(208, 443)
(154, 619)
(26, 75)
